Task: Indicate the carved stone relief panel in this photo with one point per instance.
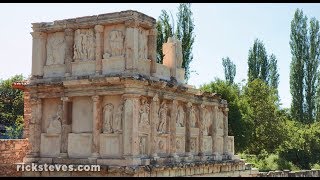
(193, 144)
(220, 123)
(162, 144)
(84, 45)
(143, 146)
(114, 43)
(143, 44)
(163, 117)
(55, 48)
(180, 144)
(144, 112)
(193, 117)
(55, 123)
(206, 122)
(117, 118)
(180, 121)
(108, 118)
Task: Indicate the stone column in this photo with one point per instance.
(170, 60)
(225, 131)
(188, 130)
(154, 119)
(173, 133)
(131, 47)
(130, 126)
(152, 50)
(96, 126)
(66, 127)
(35, 127)
(39, 53)
(214, 131)
(99, 48)
(69, 38)
(201, 126)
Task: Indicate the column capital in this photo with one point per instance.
(38, 35)
(175, 102)
(65, 98)
(69, 32)
(203, 106)
(153, 32)
(189, 104)
(155, 98)
(98, 28)
(132, 23)
(95, 98)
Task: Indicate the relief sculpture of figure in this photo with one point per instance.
(144, 112)
(84, 45)
(162, 117)
(55, 123)
(180, 117)
(116, 43)
(118, 119)
(142, 145)
(193, 117)
(107, 114)
(142, 49)
(55, 50)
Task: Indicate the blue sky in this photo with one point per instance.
(222, 29)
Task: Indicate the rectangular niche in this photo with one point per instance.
(114, 42)
(219, 145)
(49, 111)
(79, 145)
(110, 145)
(82, 114)
(144, 145)
(50, 145)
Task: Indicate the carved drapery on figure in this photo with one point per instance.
(144, 113)
(55, 48)
(117, 120)
(180, 117)
(84, 45)
(116, 41)
(193, 118)
(206, 122)
(142, 145)
(55, 123)
(163, 117)
(108, 118)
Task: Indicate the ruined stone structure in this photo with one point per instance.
(98, 96)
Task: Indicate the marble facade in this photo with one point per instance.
(98, 93)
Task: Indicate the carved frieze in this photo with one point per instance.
(84, 45)
(55, 123)
(55, 48)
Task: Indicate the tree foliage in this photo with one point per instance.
(229, 70)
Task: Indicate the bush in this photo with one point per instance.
(15, 131)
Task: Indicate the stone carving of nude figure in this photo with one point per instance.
(144, 112)
(55, 123)
(162, 117)
(107, 114)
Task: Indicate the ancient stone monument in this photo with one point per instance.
(98, 96)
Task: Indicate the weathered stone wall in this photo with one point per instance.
(12, 151)
(27, 113)
(288, 173)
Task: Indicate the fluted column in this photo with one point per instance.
(66, 127)
(152, 49)
(173, 132)
(201, 126)
(96, 126)
(39, 53)
(99, 48)
(69, 39)
(225, 131)
(130, 126)
(188, 130)
(214, 130)
(131, 48)
(35, 127)
(154, 120)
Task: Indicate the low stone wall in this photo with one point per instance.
(12, 151)
(288, 173)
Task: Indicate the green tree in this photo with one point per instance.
(229, 70)
(312, 63)
(299, 51)
(273, 73)
(164, 29)
(185, 33)
(258, 66)
(265, 126)
(11, 101)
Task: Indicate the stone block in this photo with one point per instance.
(50, 145)
(79, 145)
